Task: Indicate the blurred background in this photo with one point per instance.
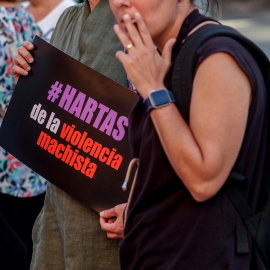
(249, 17)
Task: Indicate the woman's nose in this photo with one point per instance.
(120, 3)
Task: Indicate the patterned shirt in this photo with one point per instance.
(47, 24)
(16, 25)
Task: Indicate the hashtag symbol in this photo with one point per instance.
(56, 89)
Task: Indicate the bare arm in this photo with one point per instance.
(203, 153)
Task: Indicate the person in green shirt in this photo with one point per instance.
(66, 234)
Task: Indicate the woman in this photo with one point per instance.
(47, 13)
(84, 32)
(21, 189)
(178, 216)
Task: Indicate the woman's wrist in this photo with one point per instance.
(158, 98)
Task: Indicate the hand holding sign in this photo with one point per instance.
(69, 124)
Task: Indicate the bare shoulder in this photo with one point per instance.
(220, 74)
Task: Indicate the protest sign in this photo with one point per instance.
(68, 123)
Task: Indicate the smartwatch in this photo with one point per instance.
(158, 98)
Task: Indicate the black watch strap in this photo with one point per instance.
(158, 98)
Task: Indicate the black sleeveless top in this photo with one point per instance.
(166, 228)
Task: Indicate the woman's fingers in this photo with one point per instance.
(28, 45)
(22, 60)
(126, 42)
(138, 32)
(20, 67)
(24, 52)
(167, 52)
(17, 71)
(143, 31)
(134, 35)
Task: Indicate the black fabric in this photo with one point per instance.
(17, 217)
(183, 79)
(166, 228)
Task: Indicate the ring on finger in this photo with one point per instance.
(129, 46)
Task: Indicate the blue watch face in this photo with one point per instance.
(160, 97)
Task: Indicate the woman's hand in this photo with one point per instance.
(22, 60)
(143, 63)
(111, 221)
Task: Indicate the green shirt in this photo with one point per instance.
(89, 37)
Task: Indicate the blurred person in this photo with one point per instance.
(47, 13)
(178, 215)
(22, 191)
(66, 234)
(17, 181)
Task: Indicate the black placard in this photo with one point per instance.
(69, 123)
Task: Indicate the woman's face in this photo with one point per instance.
(160, 16)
